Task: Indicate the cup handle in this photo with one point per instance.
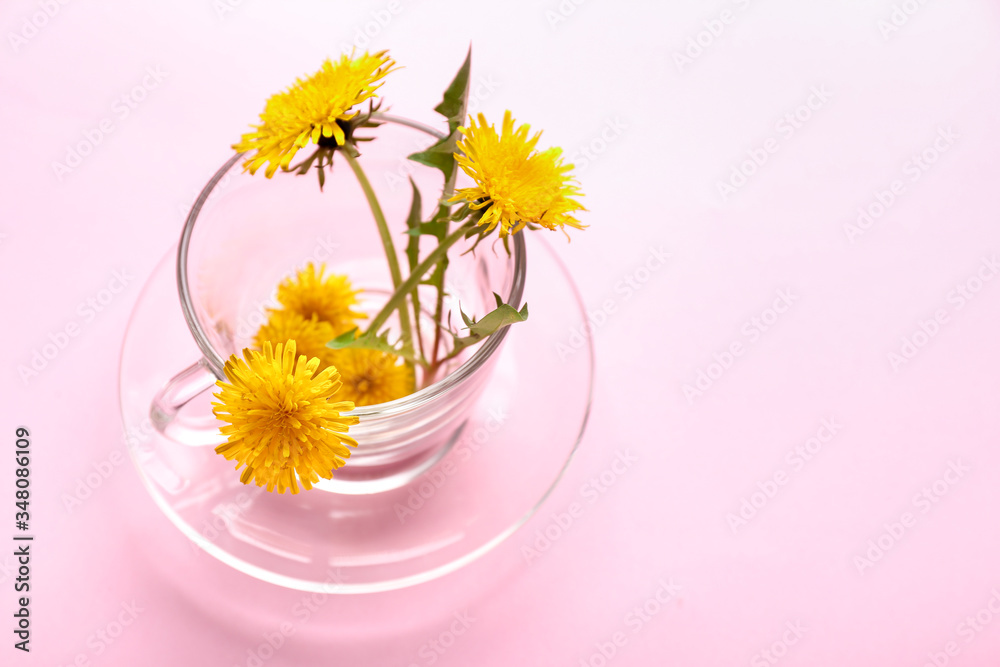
(186, 428)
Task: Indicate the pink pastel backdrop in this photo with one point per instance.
(890, 95)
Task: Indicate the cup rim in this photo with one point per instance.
(487, 348)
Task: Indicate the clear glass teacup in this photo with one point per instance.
(245, 234)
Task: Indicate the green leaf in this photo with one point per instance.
(435, 228)
(437, 278)
(504, 315)
(456, 97)
(413, 224)
(440, 156)
(350, 340)
(453, 107)
(413, 256)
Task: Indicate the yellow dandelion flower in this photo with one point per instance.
(327, 298)
(310, 335)
(515, 183)
(281, 422)
(313, 109)
(371, 377)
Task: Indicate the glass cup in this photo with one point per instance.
(245, 234)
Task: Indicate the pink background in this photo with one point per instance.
(663, 134)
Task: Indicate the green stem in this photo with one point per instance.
(399, 296)
(390, 249)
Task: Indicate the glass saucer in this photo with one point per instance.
(511, 453)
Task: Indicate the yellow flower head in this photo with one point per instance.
(515, 184)
(281, 423)
(310, 335)
(371, 377)
(328, 299)
(368, 376)
(313, 109)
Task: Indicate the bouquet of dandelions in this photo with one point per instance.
(284, 401)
